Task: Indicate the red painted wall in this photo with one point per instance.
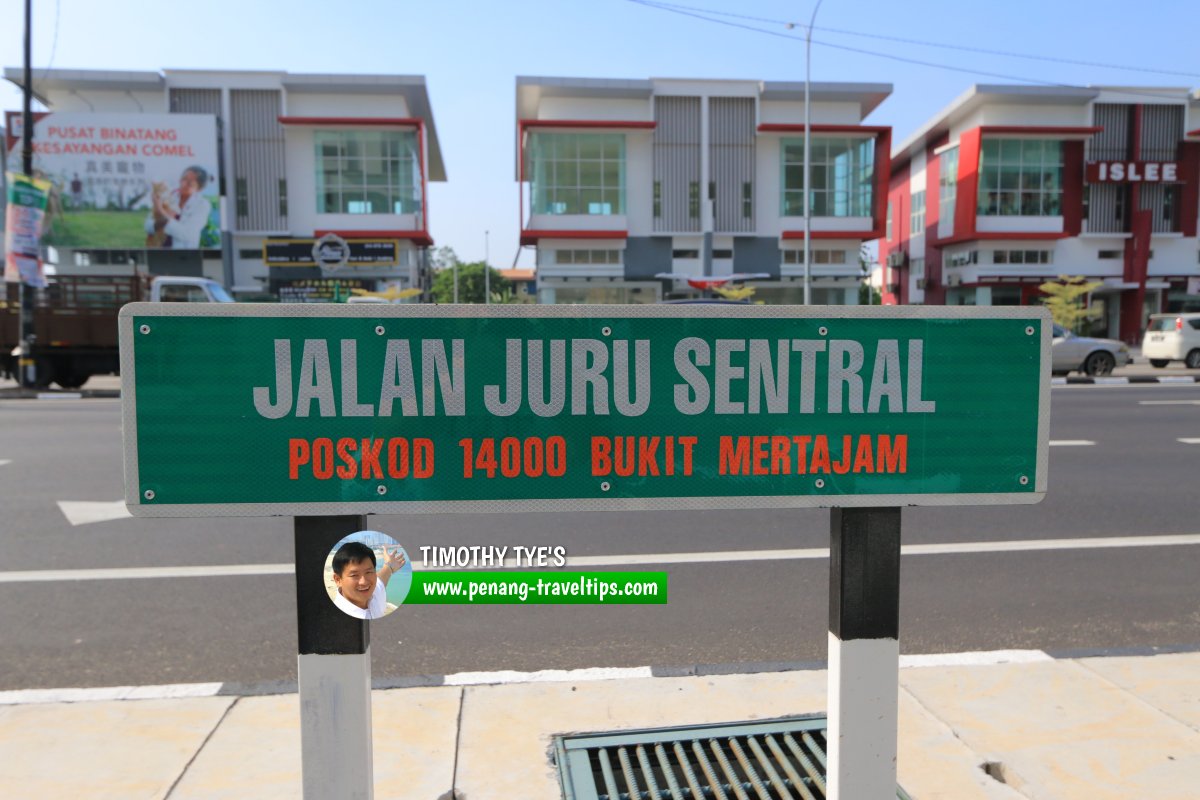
(1072, 196)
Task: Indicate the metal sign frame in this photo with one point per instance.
(140, 508)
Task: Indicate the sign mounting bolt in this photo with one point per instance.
(823, 330)
(144, 329)
(379, 331)
(605, 486)
(1023, 480)
(381, 490)
(148, 494)
(607, 331)
(1029, 331)
(820, 484)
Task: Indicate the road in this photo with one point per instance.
(1135, 479)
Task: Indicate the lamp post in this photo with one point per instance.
(807, 159)
(26, 366)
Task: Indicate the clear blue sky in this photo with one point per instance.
(470, 52)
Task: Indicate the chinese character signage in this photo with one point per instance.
(126, 181)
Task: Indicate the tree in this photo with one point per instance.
(444, 258)
(470, 283)
(1064, 299)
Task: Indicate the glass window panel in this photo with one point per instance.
(1051, 204)
(1030, 204)
(793, 177)
(1010, 177)
(1052, 152)
(1031, 152)
(610, 174)
(1010, 151)
(591, 147)
(1009, 204)
(837, 257)
(589, 173)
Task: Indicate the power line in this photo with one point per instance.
(54, 44)
(920, 42)
(932, 64)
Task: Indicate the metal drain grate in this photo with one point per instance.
(779, 760)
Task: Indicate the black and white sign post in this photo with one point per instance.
(864, 652)
(333, 669)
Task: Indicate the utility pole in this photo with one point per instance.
(26, 368)
(807, 157)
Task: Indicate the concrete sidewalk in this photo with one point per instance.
(1068, 729)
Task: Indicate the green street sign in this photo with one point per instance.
(298, 410)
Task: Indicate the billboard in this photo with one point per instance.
(126, 181)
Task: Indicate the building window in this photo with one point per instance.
(283, 197)
(685, 254)
(963, 258)
(367, 172)
(694, 200)
(818, 256)
(842, 177)
(916, 217)
(916, 268)
(578, 173)
(253, 255)
(1111, 254)
(658, 199)
(1020, 177)
(587, 256)
(1023, 257)
(747, 200)
(722, 254)
(947, 184)
(888, 232)
(241, 197)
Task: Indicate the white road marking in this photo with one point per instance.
(726, 556)
(548, 676)
(59, 396)
(127, 573)
(975, 659)
(1070, 443)
(85, 512)
(164, 692)
(1169, 402)
(4, 461)
(1190, 441)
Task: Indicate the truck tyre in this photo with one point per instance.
(72, 380)
(1159, 362)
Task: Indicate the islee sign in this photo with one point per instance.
(1133, 172)
(337, 409)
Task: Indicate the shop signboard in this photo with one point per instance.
(126, 181)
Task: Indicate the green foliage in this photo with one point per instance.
(871, 299)
(1064, 298)
(470, 284)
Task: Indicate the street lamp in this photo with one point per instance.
(807, 154)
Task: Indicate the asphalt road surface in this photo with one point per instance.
(1135, 477)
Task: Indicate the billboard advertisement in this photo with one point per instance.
(126, 181)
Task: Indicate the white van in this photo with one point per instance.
(1173, 337)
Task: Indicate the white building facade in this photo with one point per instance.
(1012, 186)
(625, 180)
(301, 157)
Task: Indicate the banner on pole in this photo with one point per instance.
(23, 229)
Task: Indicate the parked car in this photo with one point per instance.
(1096, 357)
(1173, 337)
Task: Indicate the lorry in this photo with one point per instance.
(75, 321)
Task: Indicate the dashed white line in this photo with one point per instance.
(1071, 443)
(4, 461)
(84, 512)
(1190, 441)
(1169, 402)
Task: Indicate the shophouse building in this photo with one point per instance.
(623, 181)
(1013, 186)
(316, 183)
